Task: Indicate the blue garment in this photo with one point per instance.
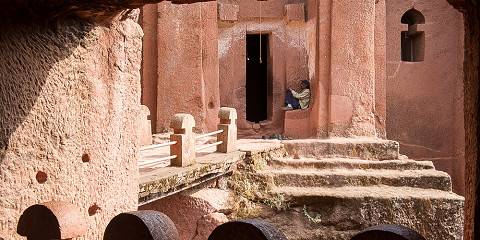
(290, 99)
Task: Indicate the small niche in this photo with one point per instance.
(94, 209)
(413, 41)
(86, 158)
(41, 177)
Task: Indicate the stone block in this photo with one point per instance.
(184, 137)
(208, 223)
(184, 149)
(182, 122)
(295, 12)
(195, 214)
(228, 117)
(364, 148)
(228, 12)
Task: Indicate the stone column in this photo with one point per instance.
(184, 149)
(228, 118)
(188, 63)
(352, 93)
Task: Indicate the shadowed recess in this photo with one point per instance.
(390, 232)
(29, 51)
(251, 229)
(412, 17)
(39, 223)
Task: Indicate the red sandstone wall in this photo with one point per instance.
(289, 60)
(380, 68)
(67, 90)
(187, 64)
(352, 90)
(149, 19)
(425, 99)
(321, 101)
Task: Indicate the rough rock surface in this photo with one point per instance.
(365, 148)
(69, 98)
(426, 115)
(335, 197)
(97, 10)
(472, 122)
(196, 213)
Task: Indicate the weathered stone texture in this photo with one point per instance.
(352, 94)
(187, 64)
(425, 99)
(67, 90)
(228, 12)
(365, 148)
(195, 214)
(472, 122)
(334, 198)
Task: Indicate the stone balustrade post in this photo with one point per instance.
(184, 149)
(145, 126)
(228, 118)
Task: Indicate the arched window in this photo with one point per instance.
(413, 41)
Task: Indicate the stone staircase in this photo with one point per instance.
(331, 189)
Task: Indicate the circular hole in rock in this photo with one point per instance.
(85, 158)
(211, 105)
(41, 177)
(94, 209)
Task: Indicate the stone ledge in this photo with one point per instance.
(364, 148)
(166, 181)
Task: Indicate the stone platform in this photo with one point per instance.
(163, 180)
(333, 188)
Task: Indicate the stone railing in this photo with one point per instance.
(182, 142)
(61, 220)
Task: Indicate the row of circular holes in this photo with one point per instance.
(42, 177)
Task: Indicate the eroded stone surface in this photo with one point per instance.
(334, 198)
(365, 148)
(195, 214)
(67, 89)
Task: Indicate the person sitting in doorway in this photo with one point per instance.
(298, 100)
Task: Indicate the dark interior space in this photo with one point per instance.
(413, 46)
(413, 41)
(257, 77)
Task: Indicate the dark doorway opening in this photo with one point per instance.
(257, 77)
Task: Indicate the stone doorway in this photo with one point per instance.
(257, 80)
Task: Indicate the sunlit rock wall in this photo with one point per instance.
(70, 98)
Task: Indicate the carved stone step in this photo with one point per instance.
(329, 163)
(319, 212)
(363, 148)
(358, 177)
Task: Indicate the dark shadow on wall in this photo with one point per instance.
(472, 119)
(27, 54)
